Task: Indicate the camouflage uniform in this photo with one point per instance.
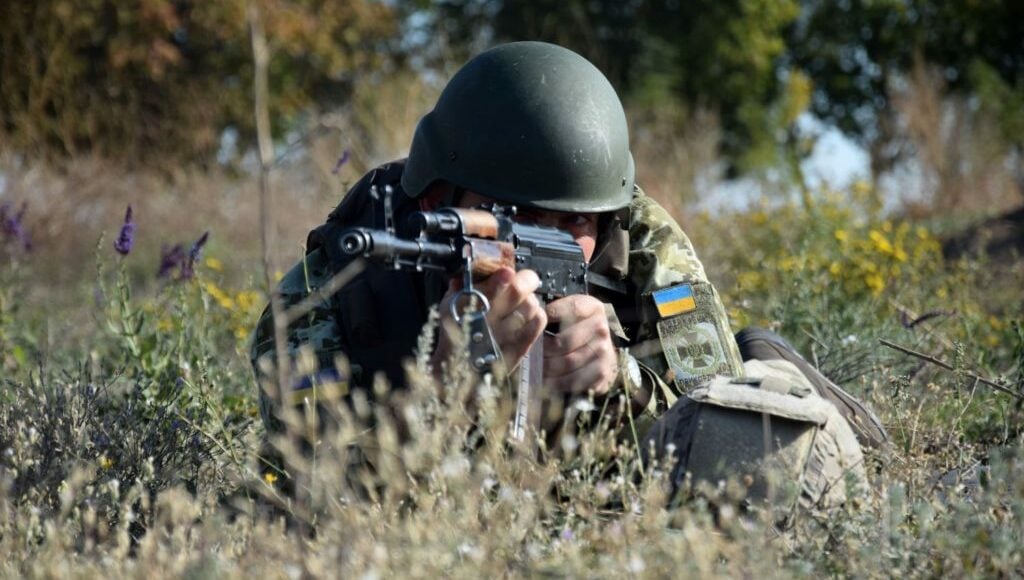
(651, 253)
(663, 312)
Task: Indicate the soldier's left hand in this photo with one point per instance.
(581, 356)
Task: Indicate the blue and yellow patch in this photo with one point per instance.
(326, 385)
(675, 300)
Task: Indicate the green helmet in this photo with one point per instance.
(527, 123)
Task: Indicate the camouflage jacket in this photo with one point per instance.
(664, 313)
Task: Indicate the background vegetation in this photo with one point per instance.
(129, 439)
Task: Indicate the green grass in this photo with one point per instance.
(131, 446)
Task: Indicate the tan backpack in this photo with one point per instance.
(767, 430)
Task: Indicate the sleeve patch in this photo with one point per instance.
(675, 300)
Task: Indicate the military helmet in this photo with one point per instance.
(531, 124)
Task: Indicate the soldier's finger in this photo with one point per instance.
(560, 366)
(575, 336)
(570, 309)
(497, 281)
(525, 311)
(509, 292)
(518, 333)
(591, 377)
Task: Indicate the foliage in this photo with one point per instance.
(160, 80)
(137, 452)
(858, 53)
(834, 275)
(761, 64)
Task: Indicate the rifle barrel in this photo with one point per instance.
(381, 245)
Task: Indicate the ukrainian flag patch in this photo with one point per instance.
(675, 300)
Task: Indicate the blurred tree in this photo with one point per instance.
(704, 54)
(159, 80)
(723, 55)
(858, 52)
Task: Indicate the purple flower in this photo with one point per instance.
(170, 258)
(126, 238)
(11, 226)
(345, 155)
(174, 257)
(188, 266)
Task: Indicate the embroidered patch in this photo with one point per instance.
(674, 300)
(326, 385)
(692, 350)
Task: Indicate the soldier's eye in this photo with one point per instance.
(579, 220)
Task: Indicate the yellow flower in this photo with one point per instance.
(165, 324)
(875, 283)
(214, 264)
(270, 477)
(106, 462)
(835, 268)
(246, 299)
(841, 235)
(222, 298)
(278, 275)
(791, 264)
(241, 333)
(882, 244)
(749, 280)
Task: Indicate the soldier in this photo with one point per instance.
(537, 126)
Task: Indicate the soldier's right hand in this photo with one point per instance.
(516, 317)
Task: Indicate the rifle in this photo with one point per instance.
(475, 243)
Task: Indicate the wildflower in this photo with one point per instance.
(345, 155)
(247, 299)
(106, 462)
(170, 258)
(126, 237)
(188, 266)
(875, 283)
(841, 235)
(214, 264)
(270, 477)
(882, 244)
(11, 226)
(222, 297)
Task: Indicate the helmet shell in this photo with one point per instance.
(531, 124)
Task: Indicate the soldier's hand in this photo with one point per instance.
(516, 318)
(581, 356)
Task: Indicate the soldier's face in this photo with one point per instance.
(582, 226)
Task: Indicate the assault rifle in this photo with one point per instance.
(475, 243)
